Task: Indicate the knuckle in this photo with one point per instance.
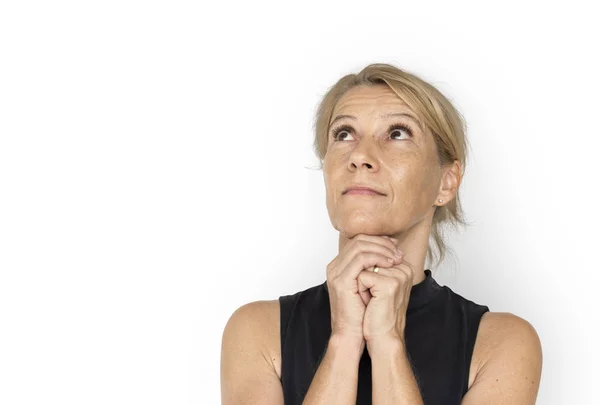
(362, 255)
(357, 245)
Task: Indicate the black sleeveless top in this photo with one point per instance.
(440, 331)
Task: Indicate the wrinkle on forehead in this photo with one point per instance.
(377, 96)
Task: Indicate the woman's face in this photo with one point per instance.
(370, 148)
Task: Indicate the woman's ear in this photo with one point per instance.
(451, 178)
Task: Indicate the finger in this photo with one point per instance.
(365, 296)
(393, 240)
(380, 284)
(384, 240)
(396, 271)
(401, 271)
(359, 246)
(367, 280)
(363, 260)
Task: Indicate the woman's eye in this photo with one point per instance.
(395, 131)
(398, 132)
(340, 134)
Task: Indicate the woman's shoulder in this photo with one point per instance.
(496, 329)
(262, 319)
(503, 334)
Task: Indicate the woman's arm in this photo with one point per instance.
(509, 375)
(394, 382)
(248, 376)
(512, 364)
(336, 379)
(247, 373)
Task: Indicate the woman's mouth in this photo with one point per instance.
(362, 191)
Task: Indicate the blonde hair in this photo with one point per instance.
(433, 109)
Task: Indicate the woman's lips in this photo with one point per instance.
(358, 191)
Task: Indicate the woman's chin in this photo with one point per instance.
(352, 228)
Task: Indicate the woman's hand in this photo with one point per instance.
(385, 315)
(348, 302)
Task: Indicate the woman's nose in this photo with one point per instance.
(363, 155)
(362, 159)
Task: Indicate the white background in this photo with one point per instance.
(156, 173)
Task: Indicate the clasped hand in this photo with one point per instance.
(386, 295)
(368, 306)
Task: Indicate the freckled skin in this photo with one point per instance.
(405, 168)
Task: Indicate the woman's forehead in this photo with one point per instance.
(375, 97)
(372, 102)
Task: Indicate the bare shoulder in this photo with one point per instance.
(259, 321)
(497, 329)
(507, 353)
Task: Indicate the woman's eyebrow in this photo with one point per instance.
(383, 116)
(339, 117)
(407, 115)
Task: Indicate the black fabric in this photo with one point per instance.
(440, 332)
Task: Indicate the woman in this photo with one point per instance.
(380, 329)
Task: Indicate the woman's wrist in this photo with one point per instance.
(347, 344)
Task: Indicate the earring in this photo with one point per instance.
(440, 201)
